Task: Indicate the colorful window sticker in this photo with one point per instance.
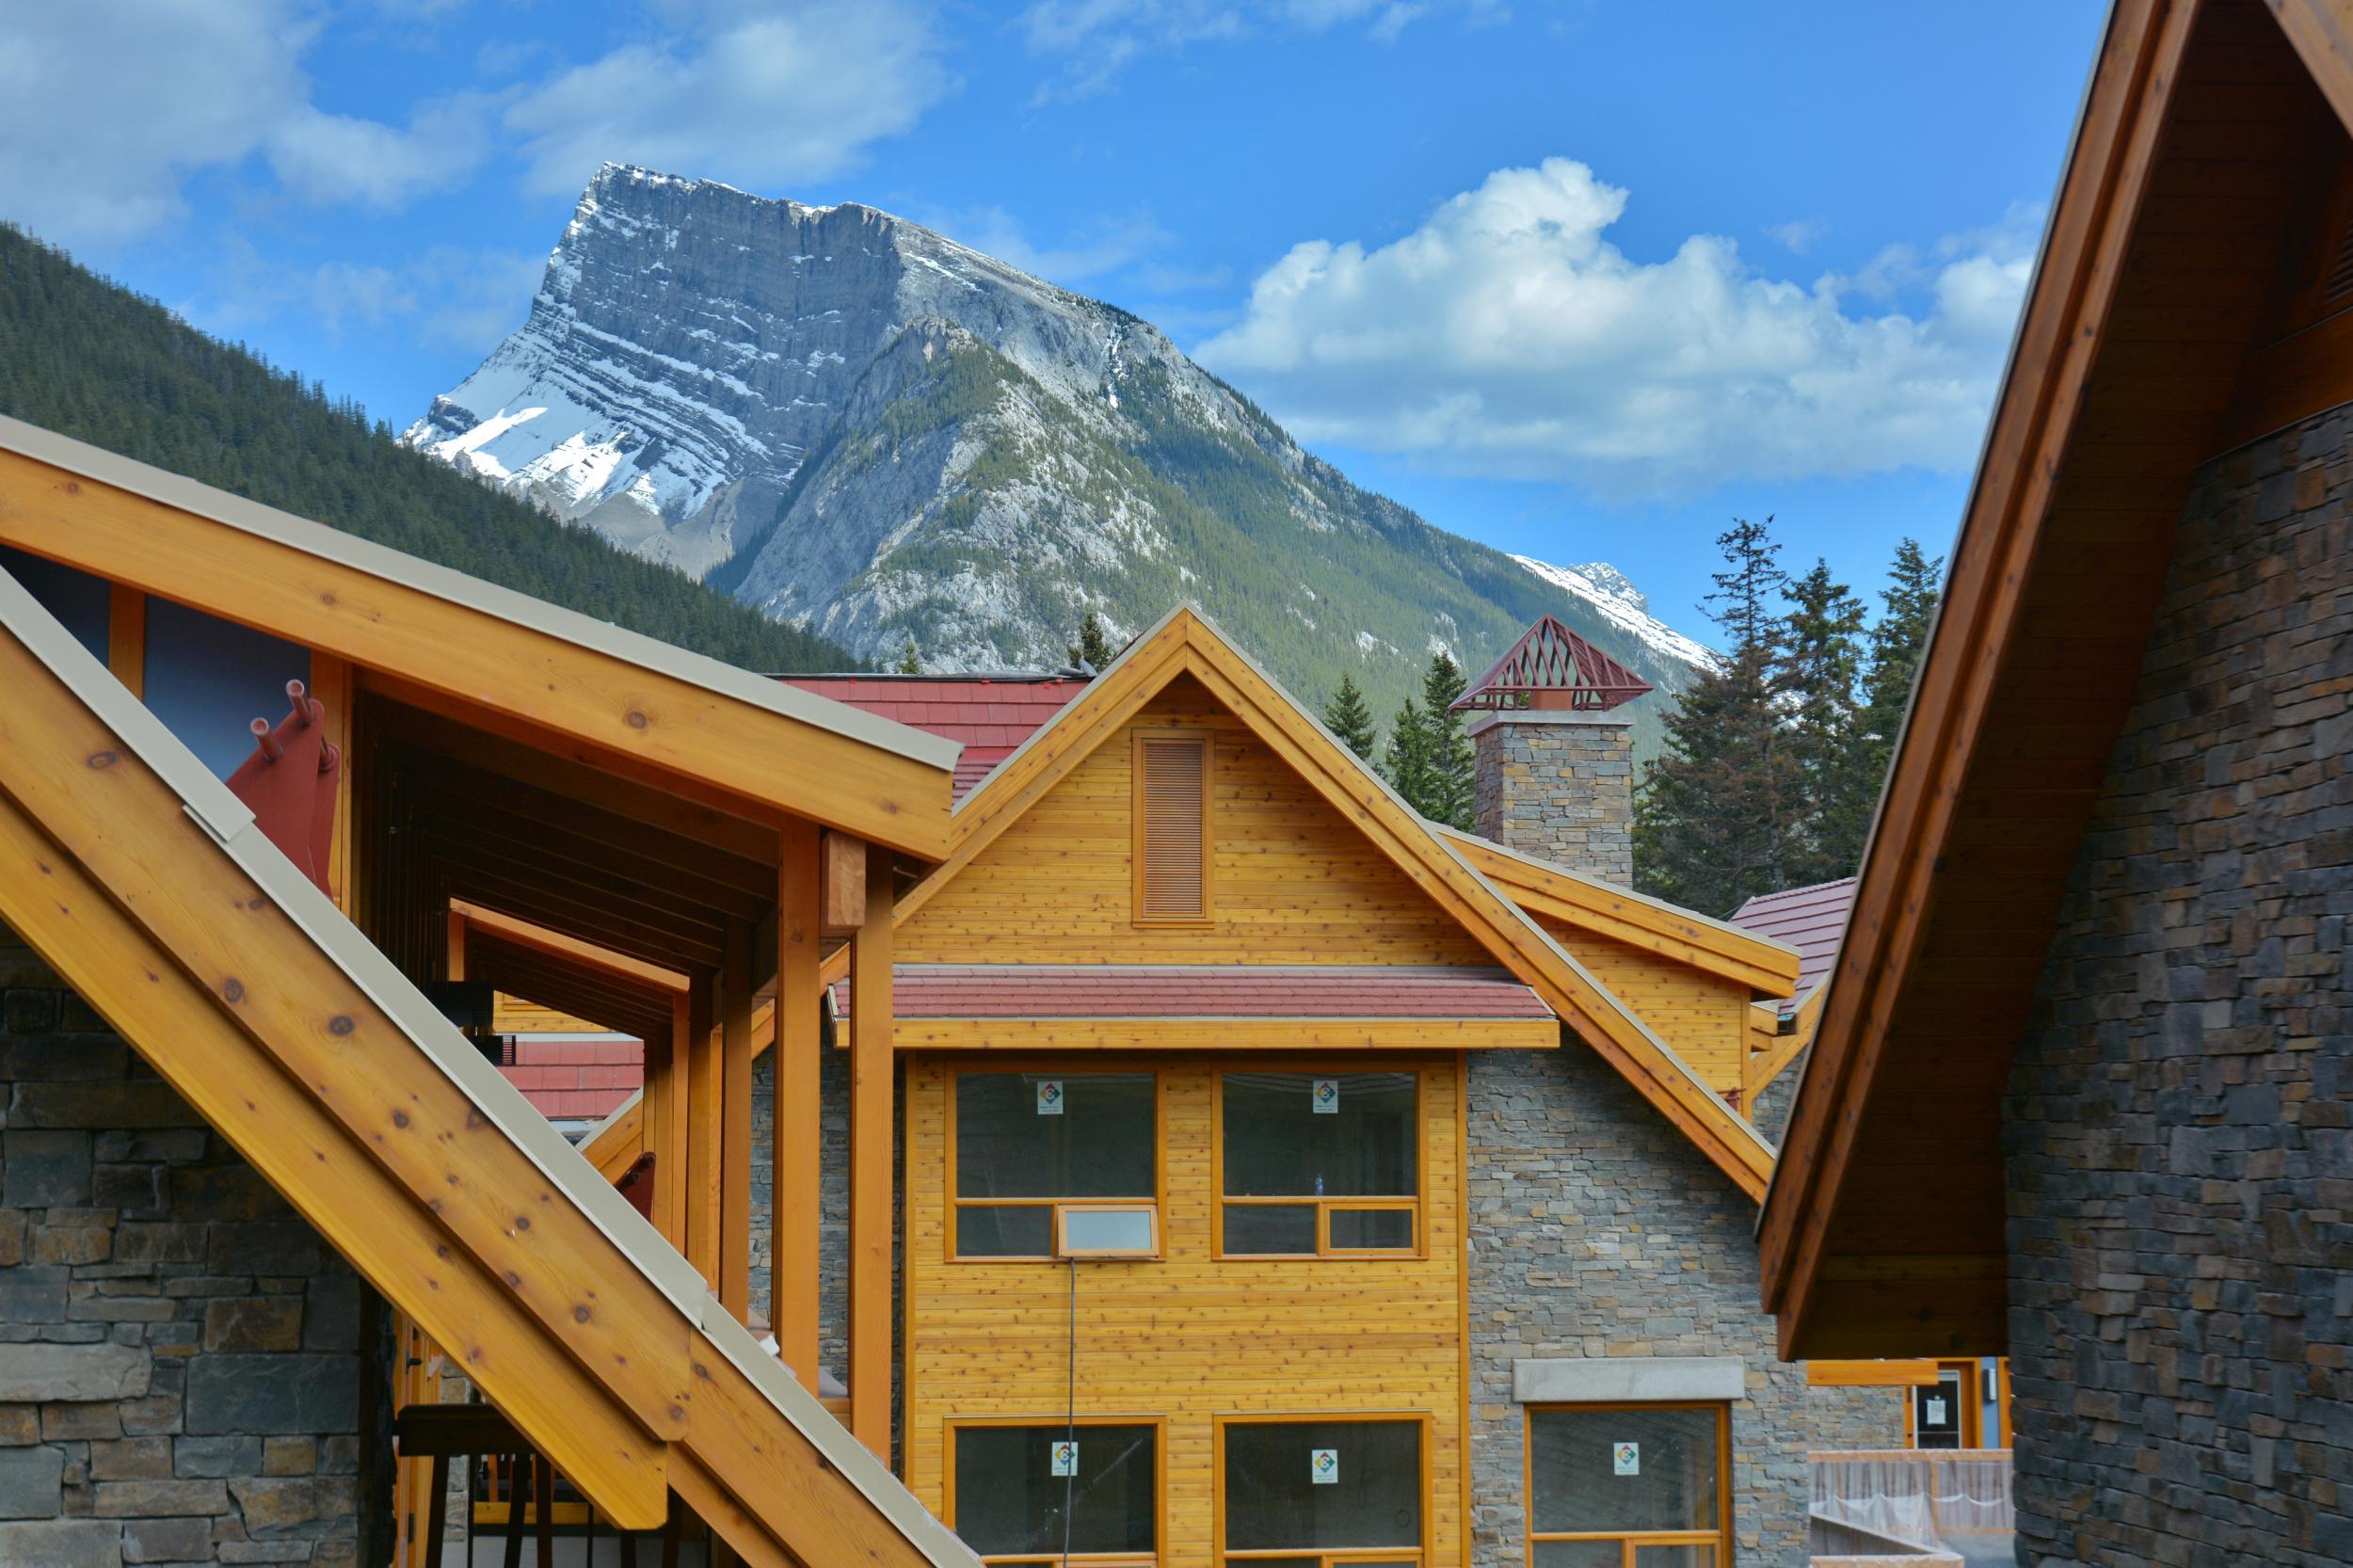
(1324, 1466)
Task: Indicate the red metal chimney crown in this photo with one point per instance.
(1552, 668)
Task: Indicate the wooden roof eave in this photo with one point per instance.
(147, 887)
(1184, 643)
(1767, 967)
(1905, 877)
(560, 674)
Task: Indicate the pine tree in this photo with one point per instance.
(1094, 648)
(1712, 812)
(1406, 760)
(1908, 608)
(1451, 758)
(1429, 757)
(1821, 670)
(1349, 720)
(908, 662)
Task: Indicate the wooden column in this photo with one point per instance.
(797, 1153)
(735, 1125)
(664, 1120)
(871, 1075)
(702, 1130)
(126, 637)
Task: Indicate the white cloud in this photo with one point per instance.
(447, 296)
(1097, 38)
(105, 111)
(757, 94)
(1107, 244)
(1507, 336)
(1798, 235)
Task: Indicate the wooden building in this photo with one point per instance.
(1252, 1123)
(2078, 1090)
(686, 839)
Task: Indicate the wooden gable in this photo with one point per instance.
(2168, 322)
(1292, 881)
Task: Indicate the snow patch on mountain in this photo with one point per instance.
(1624, 606)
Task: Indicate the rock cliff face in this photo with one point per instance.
(861, 427)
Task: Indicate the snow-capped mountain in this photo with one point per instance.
(1624, 606)
(859, 426)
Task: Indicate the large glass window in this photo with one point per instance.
(1012, 1499)
(1319, 1164)
(1028, 1144)
(75, 598)
(208, 678)
(1307, 1494)
(1628, 1486)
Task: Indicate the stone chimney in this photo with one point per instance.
(1553, 771)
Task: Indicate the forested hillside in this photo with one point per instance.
(88, 359)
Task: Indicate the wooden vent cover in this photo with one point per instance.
(1171, 827)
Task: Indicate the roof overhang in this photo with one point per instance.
(2201, 130)
(564, 679)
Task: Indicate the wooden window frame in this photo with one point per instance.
(1207, 741)
(1416, 1203)
(1720, 1538)
(1157, 1198)
(1324, 1557)
(954, 1424)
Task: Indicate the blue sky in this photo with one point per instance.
(1584, 280)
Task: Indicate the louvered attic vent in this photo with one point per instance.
(1172, 814)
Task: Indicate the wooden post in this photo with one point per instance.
(702, 1130)
(454, 952)
(735, 1125)
(664, 1122)
(797, 1154)
(126, 637)
(871, 1074)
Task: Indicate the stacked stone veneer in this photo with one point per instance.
(1558, 785)
(180, 1357)
(833, 1223)
(2180, 1127)
(1596, 1229)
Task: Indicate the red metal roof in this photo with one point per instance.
(1812, 919)
(1203, 991)
(991, 714)
(1552, 668)
(575, 1080)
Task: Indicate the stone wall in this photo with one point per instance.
(1770, 1114)
(180, 1355)
(1558, 786)
(2180, 1164)
(833, 1224)
(1596, 1229)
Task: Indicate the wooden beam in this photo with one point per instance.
(582, 694)
(872, 1075)
(795, 1196)
(1871, 1374)
(735, 1126)
(1271, 1034)
(2322, 32)
(126, 637)
(845, 883)
(556, 944)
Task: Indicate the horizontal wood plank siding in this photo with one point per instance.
(1293, 882)
(1188, 1339)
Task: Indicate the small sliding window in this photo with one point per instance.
(1013, 1502)
(1320, 1165)
(1309, 1494)
(1629, 1486)
(1051, 1164)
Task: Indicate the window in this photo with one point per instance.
(1318, 1165)
(1628, 1486)
(1010, 1506)
(1311, 1494)
(1034, 1149)
(1172, 813)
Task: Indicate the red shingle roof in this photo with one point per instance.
(1812, 919)
(1203, 991)
(571, 1080)
(991, 714)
